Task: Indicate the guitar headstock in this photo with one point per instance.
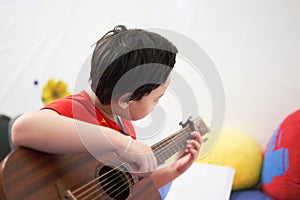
(196, 124)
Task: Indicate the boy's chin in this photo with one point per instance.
(132, 116)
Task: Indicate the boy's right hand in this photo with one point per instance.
(140, 157)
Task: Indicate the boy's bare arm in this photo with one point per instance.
(47, 131)
(50, 132)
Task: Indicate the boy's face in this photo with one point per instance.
(139, 109)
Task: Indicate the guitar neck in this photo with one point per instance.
(177, 141)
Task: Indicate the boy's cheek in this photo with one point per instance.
(138, 113)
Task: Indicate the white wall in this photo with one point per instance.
(254, 45)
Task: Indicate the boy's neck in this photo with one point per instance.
(105, 109)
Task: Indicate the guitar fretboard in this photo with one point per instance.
(177, 141)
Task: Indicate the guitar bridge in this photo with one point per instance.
(64, 193)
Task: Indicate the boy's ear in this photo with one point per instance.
(124, 100)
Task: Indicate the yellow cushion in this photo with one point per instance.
(237, 150)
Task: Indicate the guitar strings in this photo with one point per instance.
(155, 148)
(112, 186)
(159, 147)
(177, 137)
(94, 180)
(128, 184)
(169, 142)
(95, 185)
(173, 141)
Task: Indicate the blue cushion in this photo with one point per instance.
(249, 195)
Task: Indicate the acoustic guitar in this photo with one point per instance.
(33, 175)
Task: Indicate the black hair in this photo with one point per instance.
(142, 59)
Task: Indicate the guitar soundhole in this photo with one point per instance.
(115, 183)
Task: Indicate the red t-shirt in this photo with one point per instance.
(80, 106)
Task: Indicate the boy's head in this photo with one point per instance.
(130, 64)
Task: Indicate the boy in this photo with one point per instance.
(130, 71)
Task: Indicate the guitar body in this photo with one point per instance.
(28, 174)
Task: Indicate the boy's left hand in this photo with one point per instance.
(187, 156)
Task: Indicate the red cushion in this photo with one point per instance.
(281, 166)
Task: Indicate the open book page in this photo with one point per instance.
(203, 182)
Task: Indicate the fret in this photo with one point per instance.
(177, 141)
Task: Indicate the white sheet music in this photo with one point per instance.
(203, 182)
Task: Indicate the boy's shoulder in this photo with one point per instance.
(77, 106)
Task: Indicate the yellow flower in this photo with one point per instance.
(54, 90)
